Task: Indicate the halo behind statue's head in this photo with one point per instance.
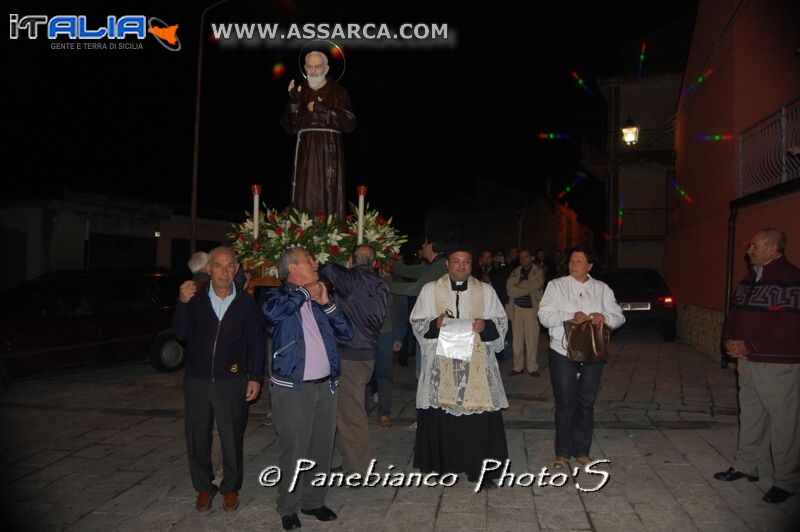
(336, 60)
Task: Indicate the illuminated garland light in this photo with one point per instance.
(715, 138)
(641, 58)
(581, 83)
(620, 212)
(681, 192)
(699, 80)
(580, 177)
(278, 70)
(554, 136)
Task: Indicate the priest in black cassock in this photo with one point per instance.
(460, 392)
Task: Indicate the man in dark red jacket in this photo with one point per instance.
(762, 330)
(224, 370)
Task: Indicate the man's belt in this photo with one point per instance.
(318, 381)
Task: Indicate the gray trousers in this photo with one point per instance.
(769, 422)
(223, 401)
(305, 420)
(353, 425)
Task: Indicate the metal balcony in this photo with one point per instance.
(764, 158)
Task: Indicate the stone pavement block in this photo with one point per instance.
(39, 515)
(20, 490)
(725, 526)
(521, 518)
(650, 495)
(460, 521)
(162, 514)
(421, 495)
(112, 421)
(459, 501)
(96, 452)
(677, 476)
(98, 522)
(41, 459)
(554, 513)
(61, 468)
(614, 522)
(404, 516)
(657, 449)
(655, 517)
(599, 502)
(702, 507)
(509, 497)
(134, 500)
(143, 446)
(696, 416)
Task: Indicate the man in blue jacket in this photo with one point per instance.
(305, 374)
(222, 329)
(362, 294)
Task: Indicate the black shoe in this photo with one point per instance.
(535, 374)
(732, 474)
(323, 513)
(776, 495)
(290, 522)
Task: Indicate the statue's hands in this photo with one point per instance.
(311, 104)
(294, 95)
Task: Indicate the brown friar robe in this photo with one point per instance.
(318, 183)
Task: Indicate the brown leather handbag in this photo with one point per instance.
(586, 343)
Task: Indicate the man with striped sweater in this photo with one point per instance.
(762, 331)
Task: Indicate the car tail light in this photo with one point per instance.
(667, 301)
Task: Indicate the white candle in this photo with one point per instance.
(256, 190)
(362, 192)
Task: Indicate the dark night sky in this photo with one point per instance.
(430, 120)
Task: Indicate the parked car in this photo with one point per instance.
(69, 319)
(645, 298)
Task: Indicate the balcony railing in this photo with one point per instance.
(764, 160)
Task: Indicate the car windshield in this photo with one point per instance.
(630, 281)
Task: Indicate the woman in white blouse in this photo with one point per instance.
(581, 297)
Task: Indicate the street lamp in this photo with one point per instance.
(196, 154)
(630, 132)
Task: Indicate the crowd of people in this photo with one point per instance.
(335, 332)
(331, 333)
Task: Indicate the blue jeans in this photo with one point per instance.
(574, 403)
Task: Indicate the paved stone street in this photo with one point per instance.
(103, 449)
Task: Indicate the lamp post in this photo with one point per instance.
(630, 135)
(630, 132)
(196, 154)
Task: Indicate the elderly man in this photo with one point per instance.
(525, 289)
(362, 295)
(319, 112)
(305, 373)
(459, 397)
(762, 331)
(224, 369)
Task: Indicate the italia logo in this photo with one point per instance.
(76, 27)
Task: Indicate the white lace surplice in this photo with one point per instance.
(477, 384)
